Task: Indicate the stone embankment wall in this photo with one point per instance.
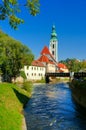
(79, 94)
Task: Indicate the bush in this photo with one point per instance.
(79, 83)
(22, 73)
(27, 85)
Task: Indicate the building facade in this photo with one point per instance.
(36, 71)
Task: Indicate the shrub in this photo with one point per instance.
(27, 85)
(79, 83)
(22, 73)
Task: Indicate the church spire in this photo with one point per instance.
(53, 47)
(53, 33)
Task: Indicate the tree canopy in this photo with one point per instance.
(9, 9)
(74, 65)
(13, 56)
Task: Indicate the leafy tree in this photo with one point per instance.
(10, 9)
(73, 65)
(83, 65)
(22, 73)
(13, 56)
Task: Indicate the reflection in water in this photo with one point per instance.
(51, 95)
(51, 108)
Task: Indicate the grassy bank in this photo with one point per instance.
(12, 100)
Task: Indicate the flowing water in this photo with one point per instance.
(52, 108)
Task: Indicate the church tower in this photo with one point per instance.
(54, 44)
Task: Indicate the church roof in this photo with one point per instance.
(46, 56)
(45, 51)
(43, 58)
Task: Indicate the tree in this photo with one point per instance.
(83, 65)
(13, 56)
(10, 9)
(73, 65)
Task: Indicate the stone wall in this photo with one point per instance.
(79, 94)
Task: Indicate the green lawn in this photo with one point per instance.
(12, 100)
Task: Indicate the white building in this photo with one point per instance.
(35, 72)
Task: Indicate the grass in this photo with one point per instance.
(12, 101)
(40, 81)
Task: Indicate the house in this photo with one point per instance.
(36, 71)
(62, 67)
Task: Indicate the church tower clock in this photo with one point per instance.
(54, 44)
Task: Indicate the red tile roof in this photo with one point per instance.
(61, 65)
(37, 63)
(45, 51)
(43, 58)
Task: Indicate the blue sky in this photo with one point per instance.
(69, 17)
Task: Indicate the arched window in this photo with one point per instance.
(53, 45)
(52, 52)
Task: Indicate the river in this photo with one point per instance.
(52, 108)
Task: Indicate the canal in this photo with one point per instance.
(52, 108)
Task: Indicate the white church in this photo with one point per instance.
(47, 62)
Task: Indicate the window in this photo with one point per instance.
(52, 52)
(34, 74)
(34, 68)
(53, 45)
